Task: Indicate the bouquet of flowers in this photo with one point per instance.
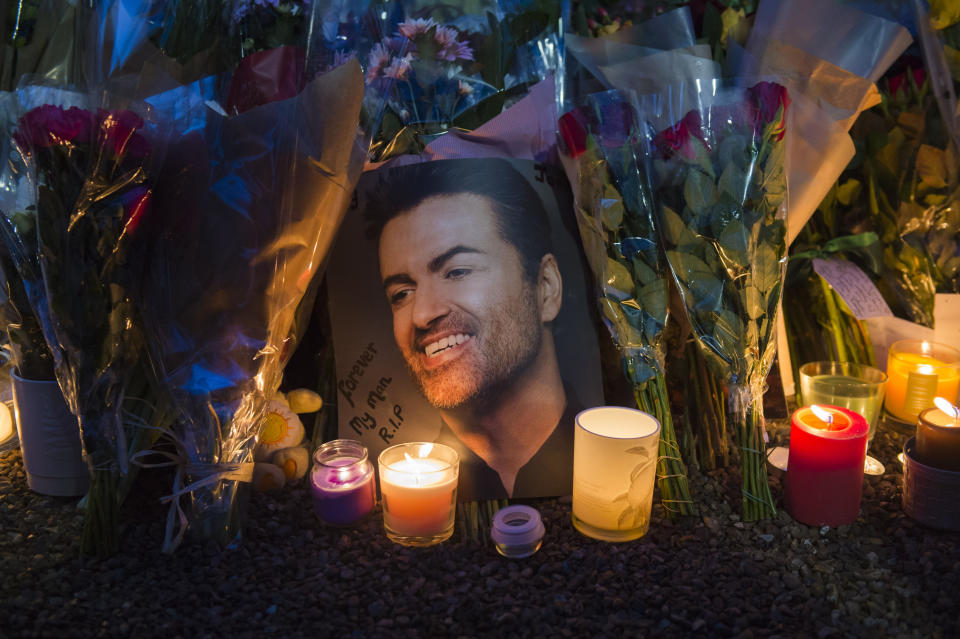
(615, 216)
(93, 180)
(720, 190)
(439, 67)
(250, 204)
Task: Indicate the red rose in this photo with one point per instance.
(899, 82)
(769, 102)
(50, 125)
(118, 133)
(136, 203)
(679, 137)
(573, 130)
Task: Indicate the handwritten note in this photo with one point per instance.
(946, 319)
(854, 287)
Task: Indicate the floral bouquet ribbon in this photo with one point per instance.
(721, 189)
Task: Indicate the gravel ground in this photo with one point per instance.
(883, 576)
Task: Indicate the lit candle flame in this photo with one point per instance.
(822, 415)
(926, 369)
(947, 407)
(424, 450)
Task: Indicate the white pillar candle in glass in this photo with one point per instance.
(614, 469)
(418, 485)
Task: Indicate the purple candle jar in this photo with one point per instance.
(342, 482)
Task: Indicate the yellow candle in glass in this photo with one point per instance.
(916, 373)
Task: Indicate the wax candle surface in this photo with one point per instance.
(419, 496)
(938, 440)
(343, 490)
(913, 380)
(825, 466)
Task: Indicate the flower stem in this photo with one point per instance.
(100, 525)
(757, 502)
(651, 397)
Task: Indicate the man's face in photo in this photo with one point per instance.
(465, 316)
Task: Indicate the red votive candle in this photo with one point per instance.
(825, 466)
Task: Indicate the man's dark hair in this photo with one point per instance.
(521, 217)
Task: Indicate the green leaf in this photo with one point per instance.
(699, 191)
(931, 167)
(733, 181)
(675, 230)
(753, 302)
(699, 279)
(618, 277)
(848, 192)
(734, 244)
(766, 268)
(611, 207)
(653, 297)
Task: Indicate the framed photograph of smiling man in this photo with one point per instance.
(460, 314)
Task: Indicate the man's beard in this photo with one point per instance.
(505, 350)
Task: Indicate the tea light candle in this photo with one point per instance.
(918, 371)
(418, 483)
(938, 436)
(342, 482)
(828, 445)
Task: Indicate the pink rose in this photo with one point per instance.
(50, 125)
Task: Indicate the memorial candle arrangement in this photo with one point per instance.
(342, 482)
(418, 484)
(828, 445)
(614, 467)
(918, 371)
(938, 436)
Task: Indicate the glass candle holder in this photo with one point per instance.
(938, 440)
(418, 485)
(517, 531)
(918, 371)
(614, 468)
(342, 482)
(825, 466)
(857, 387)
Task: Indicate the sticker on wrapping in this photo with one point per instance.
(459, 314)
(853, 285)
(921, 389)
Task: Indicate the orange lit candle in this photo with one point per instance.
(418, 483)
(918, 371)
(828, 445)
(938, 436)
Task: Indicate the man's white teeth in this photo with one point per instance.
(444, 343)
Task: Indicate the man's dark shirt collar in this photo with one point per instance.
(548, 473)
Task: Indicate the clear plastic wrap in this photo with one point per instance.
(438, 67)
(37, 41)
(94, 171)
(614, 210)
(721, 196)
(249, 205)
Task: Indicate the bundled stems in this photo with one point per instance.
(706, 412)
(100, 525)
(755, 489)
(651, 397)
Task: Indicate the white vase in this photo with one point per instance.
(49, 439)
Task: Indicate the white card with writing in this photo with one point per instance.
(854, 286)
(946, 319)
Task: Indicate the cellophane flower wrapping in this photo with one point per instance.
(615, 215)
(94, 172)
(249, 205)
(432, 68)
(721, 192)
